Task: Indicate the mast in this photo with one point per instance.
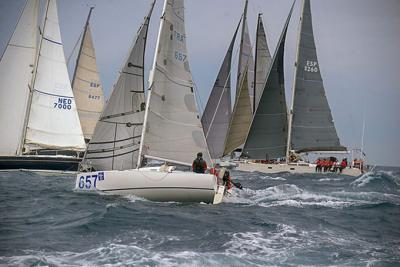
(83, 39)
(255, 63)
(290, 113)
(151, 78)
(32, 84)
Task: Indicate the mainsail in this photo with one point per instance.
(86, 84)
(53, 121)
(311, 124)
(262, 63)
(16, 66)
(115, 141)
(172, 128)
(215, 119)
(268, 132)
(246, 60)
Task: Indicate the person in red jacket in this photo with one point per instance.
(199, 165)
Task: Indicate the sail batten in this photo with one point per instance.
(172, 128)
(116, 137)
(17, 61)
(215, 119)
(312, 126)
(53, 121)
(267, 136)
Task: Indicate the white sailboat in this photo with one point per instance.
(171, 132)
(86, 84)
(38, 107)
(308, 126)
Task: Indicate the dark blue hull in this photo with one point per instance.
(50, 163)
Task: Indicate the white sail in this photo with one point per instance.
(241, 118)
(115, 141)
(53, 119)
(172, 131)
(86, 85)
(16, 68)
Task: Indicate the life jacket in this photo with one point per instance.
(199, 165)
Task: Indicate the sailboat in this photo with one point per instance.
(41, 125)
(171, 128)
(308, 126)
(226, 129)
(86, 84)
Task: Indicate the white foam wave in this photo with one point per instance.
(330, 179)
(293, 196)
(273, 178)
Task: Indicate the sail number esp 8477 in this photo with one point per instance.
(89, 181)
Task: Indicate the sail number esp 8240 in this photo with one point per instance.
(311, 66)
(89, 181)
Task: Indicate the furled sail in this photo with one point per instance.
(262, 63)
(115, 141)
(172, 131)
(312, 126)
(215, 119)
(268, 132)
(246, 59)
(16, 66)
(86, 84)
(240, 119)
(53, 119)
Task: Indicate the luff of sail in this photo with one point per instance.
(246, 59)
(115, 141)
(312, 126)
(240, 120)
(215, 119)
(267, 136)
(16, 66)
(262, 62)
(172, 130)
(86, 84)
(53, 121)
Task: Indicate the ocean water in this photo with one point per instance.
(277, 220)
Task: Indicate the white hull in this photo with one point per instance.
(152, 184)
(292, 168)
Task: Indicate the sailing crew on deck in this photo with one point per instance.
(199, 164)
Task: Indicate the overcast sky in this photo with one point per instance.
(358, 46)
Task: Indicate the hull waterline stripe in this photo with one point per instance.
(146, 188)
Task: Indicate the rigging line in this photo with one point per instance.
(74, 48)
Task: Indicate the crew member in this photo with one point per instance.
(199, 165)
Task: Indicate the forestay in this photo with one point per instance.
(312, 124)
(86, 84)
(115, 141)
(262, 63)
(16, 66)
(267, 136)
(53, 119)
(216, 116)
(173, 131)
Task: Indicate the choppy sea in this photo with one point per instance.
(277, 220)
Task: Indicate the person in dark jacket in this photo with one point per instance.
(199, 164)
